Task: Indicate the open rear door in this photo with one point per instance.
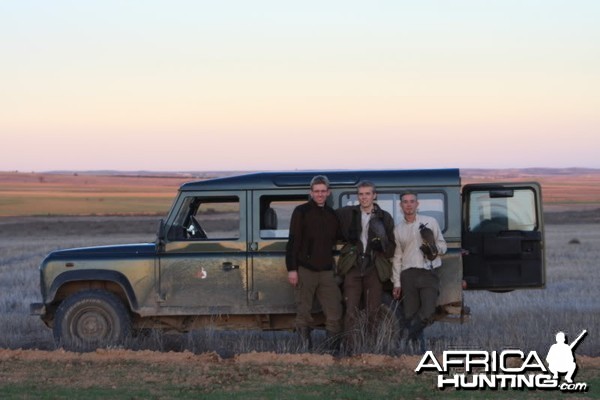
(503, 236)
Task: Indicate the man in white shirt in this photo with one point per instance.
(413, 275)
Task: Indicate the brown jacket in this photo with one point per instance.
(313, 234)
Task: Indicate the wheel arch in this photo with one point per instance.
(71, 282)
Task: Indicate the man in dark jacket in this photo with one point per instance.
(370, 230)
(314, 230)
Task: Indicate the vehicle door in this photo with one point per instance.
(503, 236)
(272, 210)
(203, 268)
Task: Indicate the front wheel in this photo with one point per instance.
(91, 319)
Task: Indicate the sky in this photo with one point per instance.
(270, 85)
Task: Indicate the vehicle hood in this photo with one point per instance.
(113, 251)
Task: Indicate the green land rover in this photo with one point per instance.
(219, 256)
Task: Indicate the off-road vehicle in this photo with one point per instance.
(219, 256)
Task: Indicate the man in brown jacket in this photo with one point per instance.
(314, 231)
(371, 230)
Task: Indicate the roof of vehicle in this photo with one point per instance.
(337, 178)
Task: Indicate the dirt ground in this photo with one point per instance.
(319, 360)
(21, 366)
(186, 357)
(119, 369)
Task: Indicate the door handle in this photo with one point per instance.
(227, 266)
(253, 246)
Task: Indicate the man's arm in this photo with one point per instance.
(346, 221)
(397, 261)
(390, 248)
(440, 242)
(293, 246)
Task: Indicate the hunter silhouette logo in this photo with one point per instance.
(560, 357)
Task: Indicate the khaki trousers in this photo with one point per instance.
(322, 285)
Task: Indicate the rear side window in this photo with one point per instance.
(432, 204)
(276, 213)
(502, 210)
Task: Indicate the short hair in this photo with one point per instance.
(363, 184)
(407, 193)
(319, 180)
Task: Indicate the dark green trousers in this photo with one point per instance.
(420, 290)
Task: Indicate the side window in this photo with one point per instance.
(432, 204)
(207, 218)
(503, 210)
(276, 213)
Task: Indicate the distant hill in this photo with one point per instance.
(109, 192)
(528, 172)
(153, 174)
(465, 172)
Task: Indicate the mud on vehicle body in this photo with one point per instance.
(219, 256)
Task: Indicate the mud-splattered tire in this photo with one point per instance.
(91, 319)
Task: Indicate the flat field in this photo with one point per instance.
(214, 364)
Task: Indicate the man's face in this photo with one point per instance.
(409, 204)
(319, 193)
(366, 196)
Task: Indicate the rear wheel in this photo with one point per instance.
(91, 319)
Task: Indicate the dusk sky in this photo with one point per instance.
(261, 85)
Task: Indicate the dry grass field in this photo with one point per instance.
(563, 190)
(525, 318)
(79, 194)
(207, 362)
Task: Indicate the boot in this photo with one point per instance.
(305, 338)
(415, 335)
(415, 329)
